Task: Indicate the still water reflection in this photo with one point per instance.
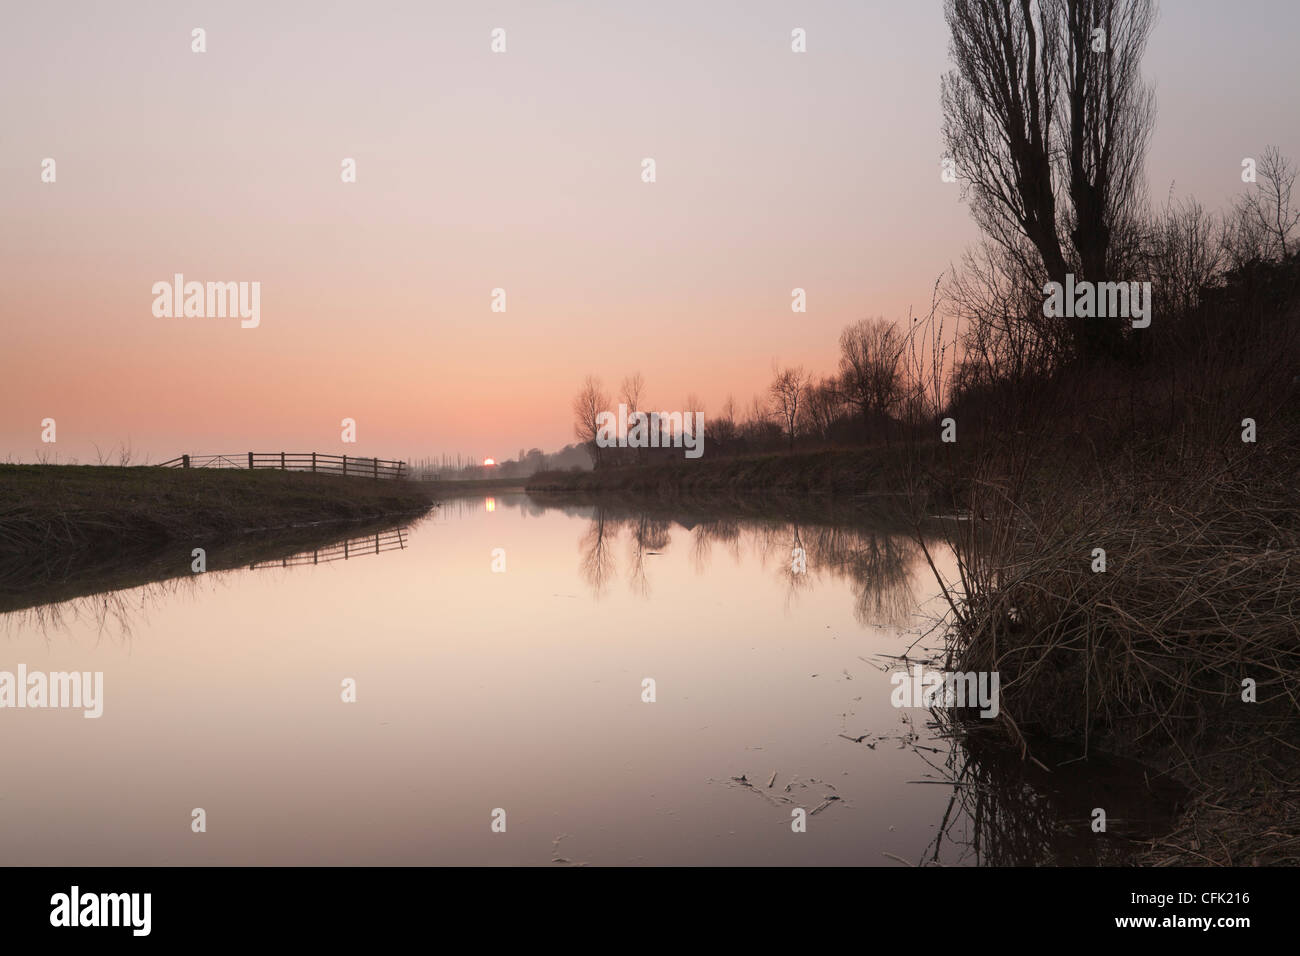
(499, 649)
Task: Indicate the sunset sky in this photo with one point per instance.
(520, 170)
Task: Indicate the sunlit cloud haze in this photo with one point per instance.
(519, 171)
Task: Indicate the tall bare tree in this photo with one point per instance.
(1270, 204)
(587, 405)
(823, 402)
(998, 108)
(1108, 113)
(1047, 120)
(871, 353)
(724, 425)
(787, 391)
(632, 390)
(758, 421)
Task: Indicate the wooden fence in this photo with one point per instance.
(345, 465)
(342, 551)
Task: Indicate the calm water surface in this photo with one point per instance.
(478, 690)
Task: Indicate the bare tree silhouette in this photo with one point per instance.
(587, 405)
(1269, 206)
(787, 391)
(1047, 120)
(597, 559)
(871, 358)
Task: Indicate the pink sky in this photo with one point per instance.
(475, 171)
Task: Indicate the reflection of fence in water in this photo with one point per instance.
(342, 551)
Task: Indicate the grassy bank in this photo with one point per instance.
(837, 472)
(887, 514)
(56, 516)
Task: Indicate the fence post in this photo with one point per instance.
(250, 461)
(375, 462)
(313, 462)
(185, 459)
(345, 468)
(282, 461)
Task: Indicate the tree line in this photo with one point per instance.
(1045, 122)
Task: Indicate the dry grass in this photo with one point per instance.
(1201, 592)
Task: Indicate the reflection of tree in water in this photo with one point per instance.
(648, 535)
(597, 562)
(1006, 810)
(724, 531)
(877, 564)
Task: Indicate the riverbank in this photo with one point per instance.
(881, 471)
(1152, 610)
(1130, 572)
(56, 516)
(94, 573)
(451, 487)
